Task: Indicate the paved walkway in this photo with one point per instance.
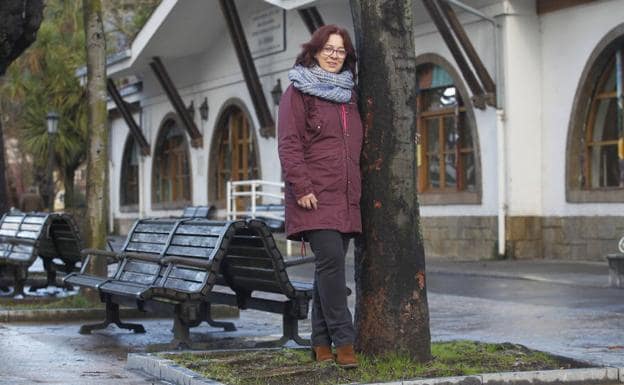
(563, 307)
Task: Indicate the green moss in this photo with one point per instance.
(290, 366)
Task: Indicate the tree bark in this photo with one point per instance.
(4, 197)
(391, 313)
(97, 157)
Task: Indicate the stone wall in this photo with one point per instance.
(459, 237)
(586, 238)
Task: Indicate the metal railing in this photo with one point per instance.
(254, 189)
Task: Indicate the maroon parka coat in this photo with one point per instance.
(319, 148)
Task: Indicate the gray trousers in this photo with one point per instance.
(331, 318)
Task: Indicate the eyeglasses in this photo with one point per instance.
(329, 51)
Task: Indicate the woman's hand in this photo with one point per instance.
(308, 202)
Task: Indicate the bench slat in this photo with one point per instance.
(187, 274)
(196, 241)
(27, 235)
(254, 252)
(128, 276)
(247, 241)
(186, 251)
(196, 229)
(149, 237)
(163, 228)
(153, 248)
(35, 219)
(266, 263)
(142, 267)
(180, 284)
(31, 227)
(21, 257)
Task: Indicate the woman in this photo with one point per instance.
(320, 139)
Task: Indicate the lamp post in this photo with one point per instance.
(52, 124)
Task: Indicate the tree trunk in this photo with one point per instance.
(4, 198)
(391, 313)
(68, 185)
(97, 157)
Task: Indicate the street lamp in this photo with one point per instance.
(52, 120)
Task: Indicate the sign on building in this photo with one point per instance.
(266, 32)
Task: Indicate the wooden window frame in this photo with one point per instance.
(124, 206)
(181, 190)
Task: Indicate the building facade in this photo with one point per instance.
(540, 156)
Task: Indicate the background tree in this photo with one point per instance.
(19, 22)
(391, 311)
(97, 155)
(44, 79)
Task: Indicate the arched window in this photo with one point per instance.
(236, 155)
(603, 167)
(446, 154)
(129, 185)
(171, 171)
(594, 167)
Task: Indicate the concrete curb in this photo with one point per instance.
(167, 370)
(70, 315)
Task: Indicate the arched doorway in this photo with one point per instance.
(234, 155)
(171, 172)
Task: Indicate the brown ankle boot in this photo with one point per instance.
(322, 353)
(346, 357)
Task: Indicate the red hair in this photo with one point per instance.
(317, 42)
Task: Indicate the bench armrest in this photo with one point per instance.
(298, 261)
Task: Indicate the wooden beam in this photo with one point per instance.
(312, 18)
(545, 6)
(124, 109)
(471, 52)
(176, 100)
(232, 20)
(478, 94)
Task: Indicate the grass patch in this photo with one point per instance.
(294, 366)
(34, 303)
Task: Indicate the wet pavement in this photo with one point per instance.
(561, 307)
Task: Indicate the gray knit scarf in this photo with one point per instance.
(326, 85)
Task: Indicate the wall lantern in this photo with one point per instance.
(276, 92)
(203, 110)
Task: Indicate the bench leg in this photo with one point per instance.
(50, 270)
(181, 333)
(112, 316)
(227, 326)
(290, 328)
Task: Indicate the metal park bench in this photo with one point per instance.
(167, 264)
(207, 212)
(174, 264)
(54, 237)
(254, 265)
